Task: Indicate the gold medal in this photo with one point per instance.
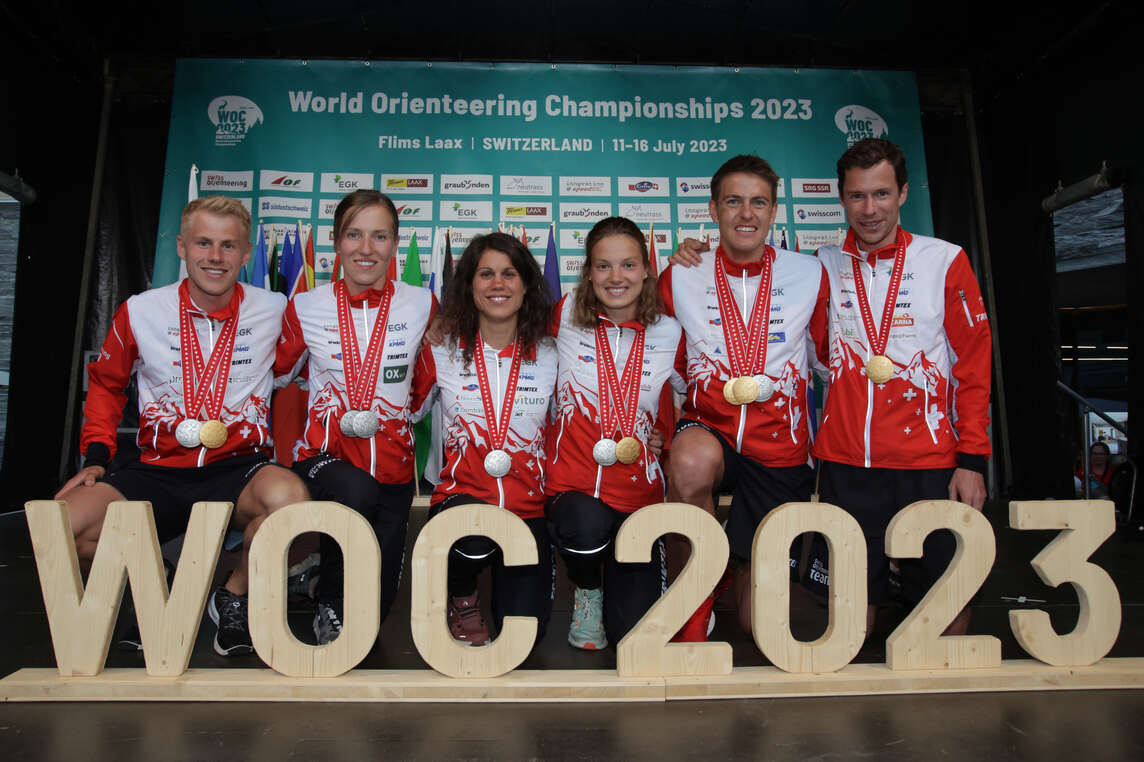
(879, 369)
(213, 434)
(628, 450)
(740, 390)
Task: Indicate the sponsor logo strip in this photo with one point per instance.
(400, 184)
(825, 214)
(346, 182)
(471, 211)
(470, 185)
(644, 186)
(216, 180)
(585, 186)
(526, 185)
(525, 211)
(811, 187)
(646, 212)
(279, 180)
(284, 206)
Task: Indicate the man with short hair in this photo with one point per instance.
(750, 315)
(201, 351)
(908, 408)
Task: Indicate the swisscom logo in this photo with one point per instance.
(858, 122)
(233, 116)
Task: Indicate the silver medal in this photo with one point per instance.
(347, 422)
(187, 433)
(497, 463)
(366, 424)
(604, 451)
(766, 388)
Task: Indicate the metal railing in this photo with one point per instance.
(1085, 407)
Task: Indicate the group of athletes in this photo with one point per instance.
(562, 413)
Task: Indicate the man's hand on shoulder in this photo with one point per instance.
(689, 253)
(968, 487)
(434, 332)
(85, 478)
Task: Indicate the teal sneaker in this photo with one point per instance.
(587, 629)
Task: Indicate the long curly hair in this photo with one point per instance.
(459, 311)
(587, 306)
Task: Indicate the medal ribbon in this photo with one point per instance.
(624, 393)
(737, 336)
(879, 340)
(497, 426)
(361, 378)
(195, 395)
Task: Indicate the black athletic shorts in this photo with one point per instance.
(755, 490)
(172, 491)
(873, 496)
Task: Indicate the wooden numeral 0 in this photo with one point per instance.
(917, 643)
(645, 651)
(81, 620)
(1085, 524)
(361, 616)
(431, 595)
(770, 580)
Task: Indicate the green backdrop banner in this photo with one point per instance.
(471, 146)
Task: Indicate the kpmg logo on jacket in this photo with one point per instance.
(858, 122)
(233, 116)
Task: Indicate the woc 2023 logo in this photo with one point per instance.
(233, 116)
(858, 122)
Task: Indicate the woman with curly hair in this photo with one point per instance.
(494, 374)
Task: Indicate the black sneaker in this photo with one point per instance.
(328, 621)
(228, 612)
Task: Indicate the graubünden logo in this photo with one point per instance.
(233, 116)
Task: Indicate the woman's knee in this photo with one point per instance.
(580, 523)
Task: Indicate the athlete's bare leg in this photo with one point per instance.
(271, 488)
(695, 468)
(87, 507)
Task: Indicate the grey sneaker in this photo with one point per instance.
(228, 612)
(587, 629)
(328, 621)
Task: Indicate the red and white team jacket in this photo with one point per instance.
(310, 333)
(773, 432)
(576, 425)
(936, 406)
(466, 432)
(144, 339)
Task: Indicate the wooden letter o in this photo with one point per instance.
(269, 631)
(430, 594)
(770, 591)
